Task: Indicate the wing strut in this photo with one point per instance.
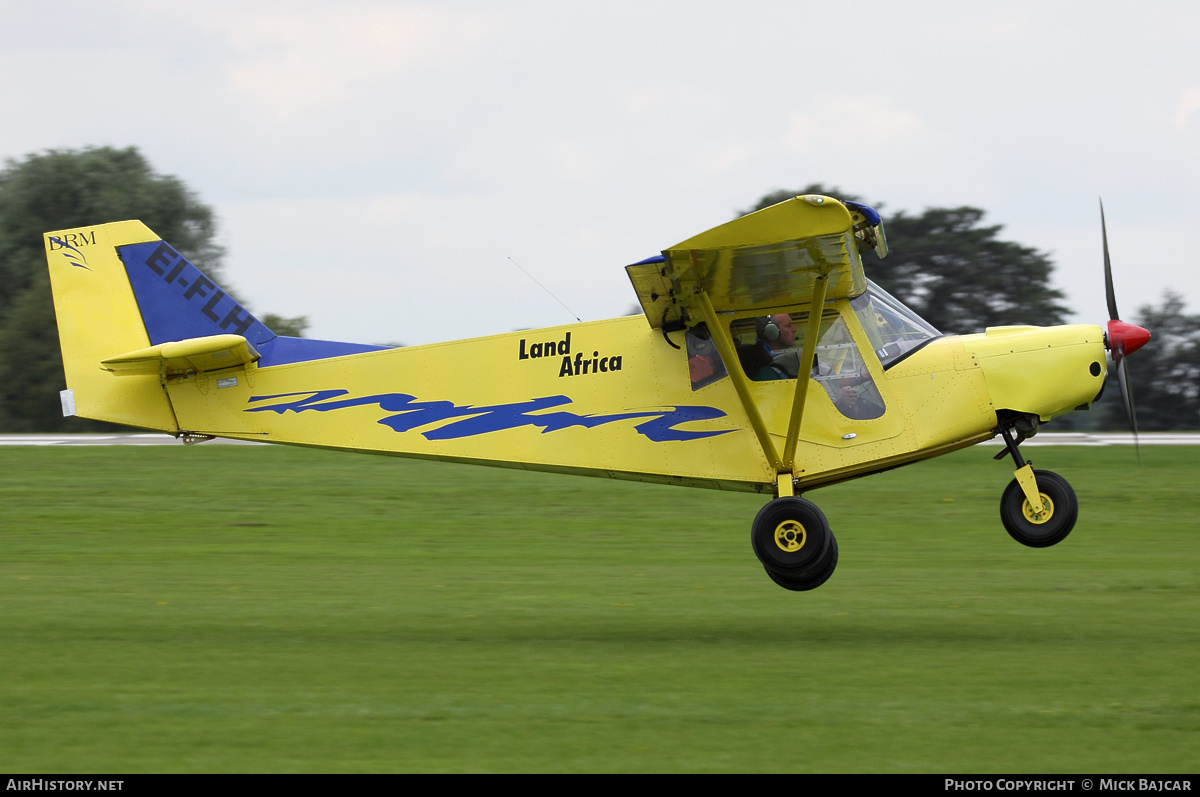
(784, 466)
(807, 354)
(741, 383)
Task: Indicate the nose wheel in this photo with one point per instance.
(791, 538)
(1040, 527)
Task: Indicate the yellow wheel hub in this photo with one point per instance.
(1038, 518)
(790, 536)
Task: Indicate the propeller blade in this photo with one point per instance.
(1122, 368)
(1108, 283)
(1121, 339)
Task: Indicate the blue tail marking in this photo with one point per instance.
(177, 301)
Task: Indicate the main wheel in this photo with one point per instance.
(1040, 529)
(792, 539)
(805, 584)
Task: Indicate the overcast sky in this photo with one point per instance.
(374, 165)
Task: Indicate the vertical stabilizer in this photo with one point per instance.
(98, 318)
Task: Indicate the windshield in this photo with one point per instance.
(893, 329)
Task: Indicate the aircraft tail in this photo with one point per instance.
(120, 294)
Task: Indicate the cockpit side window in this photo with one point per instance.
(704, 361)
(768, 350)
(768, 346)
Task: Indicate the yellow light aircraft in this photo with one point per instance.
(702, 391)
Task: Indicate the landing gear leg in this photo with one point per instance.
(791, 538)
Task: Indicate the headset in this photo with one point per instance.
(766, 328)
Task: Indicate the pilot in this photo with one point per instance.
(775, 336)
(777, 332)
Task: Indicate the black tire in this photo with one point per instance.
(805, 584)
(1053, 525)
(791, 538)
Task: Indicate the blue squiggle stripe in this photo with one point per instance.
(410, 414)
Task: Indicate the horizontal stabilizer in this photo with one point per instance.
(184, 357)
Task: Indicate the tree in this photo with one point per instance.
(955, 272)
(58, 190)
(1164, 375)
(290, 327)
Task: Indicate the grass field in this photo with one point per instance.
(268, 609)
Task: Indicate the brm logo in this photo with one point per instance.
(219, 308)
(68, 246)
(72, 240)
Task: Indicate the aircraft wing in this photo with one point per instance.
(766, 259)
